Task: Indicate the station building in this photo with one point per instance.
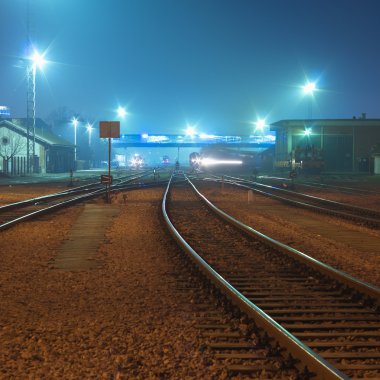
(333, 145)
(52, 153)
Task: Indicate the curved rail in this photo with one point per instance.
(360, 286)
(82, 198)
(314, 362)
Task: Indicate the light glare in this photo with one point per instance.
(260, 124)
(309, 88)
(38, 60)
(307, 131)
(190, 131)
(121, 112)
(212, 161)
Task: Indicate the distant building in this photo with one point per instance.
(335, 145)
(52, 154)
(5, 111)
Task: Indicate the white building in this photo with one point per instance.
(52, 154)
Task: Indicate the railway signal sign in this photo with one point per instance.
(109, 130)
(106, 179)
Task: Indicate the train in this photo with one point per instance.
(228, 158)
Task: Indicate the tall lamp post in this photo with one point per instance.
(74, 121)
(121, 114)
(36, 60)
(89, 130)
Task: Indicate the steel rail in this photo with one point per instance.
(348, 280)
(79, 189)
(349, 190)
(31, 201)
(343, 214)
(314, 362)
(79, 199)
(50, 209)
(312, 197)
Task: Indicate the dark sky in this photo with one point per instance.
(216, 63)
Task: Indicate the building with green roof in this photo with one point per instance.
(333, 145)
(52, 153)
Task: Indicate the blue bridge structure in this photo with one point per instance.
(174, 141)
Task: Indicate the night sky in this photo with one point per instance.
(215, 63)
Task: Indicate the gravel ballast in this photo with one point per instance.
(123, 320)
(126, 319)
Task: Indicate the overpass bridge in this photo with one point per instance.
(198, 141)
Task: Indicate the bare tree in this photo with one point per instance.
(11, 144)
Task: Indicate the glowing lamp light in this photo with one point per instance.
(75, 124)
(307, 132)
(190, 131)
(260, 124)
(309, 88)
(136, 161)
(121, 112)
(38, 60)
(144, 135)
(89, 127)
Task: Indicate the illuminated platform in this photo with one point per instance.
(171, 141)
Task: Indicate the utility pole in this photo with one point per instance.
(30, 98)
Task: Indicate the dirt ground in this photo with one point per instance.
(126, 319)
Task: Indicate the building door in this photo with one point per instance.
(337, 152)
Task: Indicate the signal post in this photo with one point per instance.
(109, 129)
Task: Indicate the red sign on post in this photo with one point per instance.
(109, 129)
(106, 179)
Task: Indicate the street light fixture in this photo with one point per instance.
(260, 125)
(121, 112)
(307, 131)
(308, 89)
(190, 130)
(36, 60)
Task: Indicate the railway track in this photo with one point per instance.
(14, 213)
(320, 185)
(328, 321)
(358, 215)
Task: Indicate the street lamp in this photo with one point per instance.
(190, 130)
(260, 125)
(75, 122)
(89, 130)
(307, 131)
(121, 112)
(36, 60)
(308, 89)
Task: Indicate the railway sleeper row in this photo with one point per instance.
(359, 317)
